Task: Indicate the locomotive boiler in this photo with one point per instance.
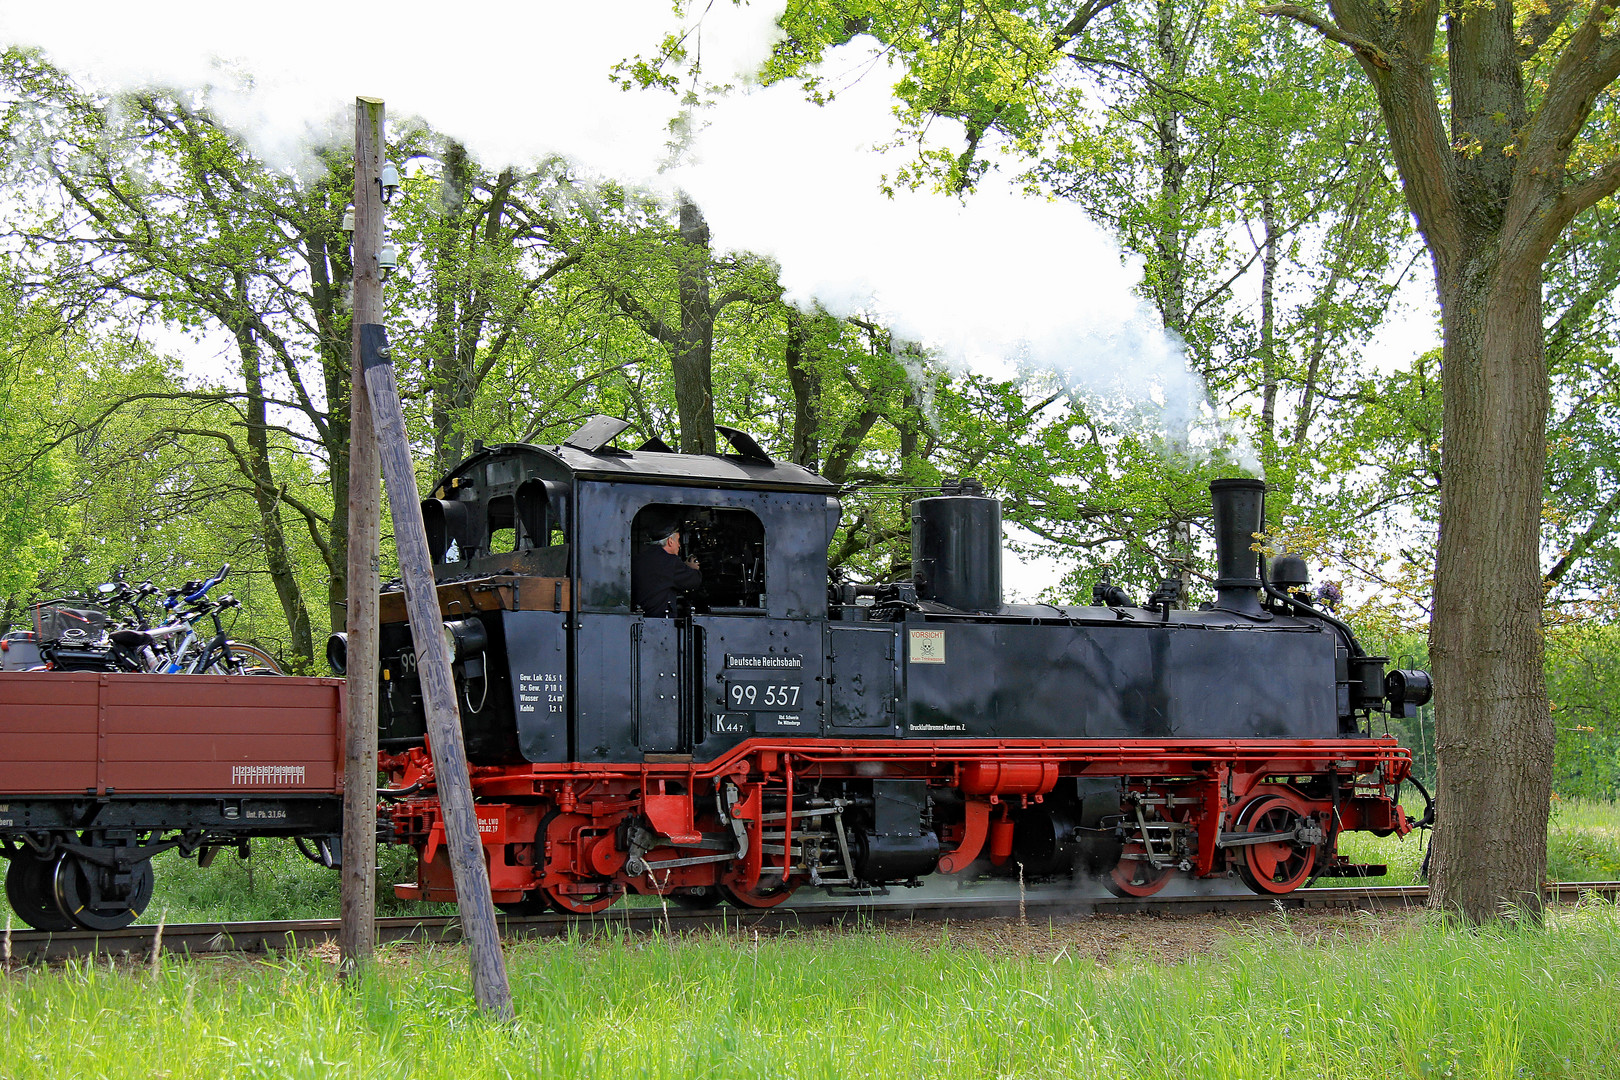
(783, 732)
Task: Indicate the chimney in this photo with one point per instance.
(1239, 514)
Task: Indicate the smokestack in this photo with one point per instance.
(1239, 514)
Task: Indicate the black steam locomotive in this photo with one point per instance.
(783, 732)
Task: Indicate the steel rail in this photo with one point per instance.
(300, 934)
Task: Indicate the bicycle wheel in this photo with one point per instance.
(245, 660)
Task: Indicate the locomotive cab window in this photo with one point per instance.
(539, 515)
(520, 527)
(502, 525)
(728, 546)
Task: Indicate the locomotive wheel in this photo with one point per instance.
(760, 896)
(28, 889)
(1280, 867)
(534, 903)
(585, 903)
(74, 895)
(699, 900)
(1135, 877)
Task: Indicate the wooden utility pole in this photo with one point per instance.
(451, 777)
(357, 935)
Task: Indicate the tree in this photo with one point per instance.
(143, 207)
(1492, 191)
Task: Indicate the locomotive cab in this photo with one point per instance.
(532, 549)
(728, 545)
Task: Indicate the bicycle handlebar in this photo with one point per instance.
(202, 590)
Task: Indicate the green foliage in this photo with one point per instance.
(275, 881)
(1225, 152)
(1583, 682)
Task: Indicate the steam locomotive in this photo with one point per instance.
(784, 732)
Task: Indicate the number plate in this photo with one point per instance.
(764, 695)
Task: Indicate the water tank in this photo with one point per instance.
(956, 549)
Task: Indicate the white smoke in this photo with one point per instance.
(998, 282)
(513, 79)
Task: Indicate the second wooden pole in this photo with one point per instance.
(450, 773)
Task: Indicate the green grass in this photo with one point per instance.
(1406, 996)
(274, 882)
(1583, 844)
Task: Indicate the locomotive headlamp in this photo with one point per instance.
(465, 637)
(1407, 688)
(337, 653)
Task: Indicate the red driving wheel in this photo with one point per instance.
(570, 903)
(1134, 875)
(770, 892)
(1281, 866)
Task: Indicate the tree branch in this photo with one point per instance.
(1360, 46)
(1594, 532)
(1541, 26)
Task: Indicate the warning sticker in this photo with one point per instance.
(927, 647)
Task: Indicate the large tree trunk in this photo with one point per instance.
(268, 501)
(1268, 337)
(1170, 288)
(1494, 729)
(449, 376)
(693, 352)
(806, 383)
(337, 445)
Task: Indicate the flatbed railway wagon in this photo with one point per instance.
(100, 772)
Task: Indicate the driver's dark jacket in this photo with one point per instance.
(657, 578)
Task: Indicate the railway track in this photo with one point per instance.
(280, 935)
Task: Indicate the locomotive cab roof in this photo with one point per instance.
(587, 455)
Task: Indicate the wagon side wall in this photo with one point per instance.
(83, 733)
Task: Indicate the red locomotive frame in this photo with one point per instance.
(565, 835)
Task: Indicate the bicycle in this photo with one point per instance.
(175, 647)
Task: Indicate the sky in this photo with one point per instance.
(999, 277)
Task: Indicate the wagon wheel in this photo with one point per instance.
(585, 903)
(28, 888)
(767, 894)
(1135, 876)
(90, 907)
(1283, 865)
(245, 660)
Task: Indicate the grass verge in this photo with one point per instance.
(1403, 995)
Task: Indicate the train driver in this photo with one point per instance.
(658, 575)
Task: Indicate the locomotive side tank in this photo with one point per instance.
(779, 731)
